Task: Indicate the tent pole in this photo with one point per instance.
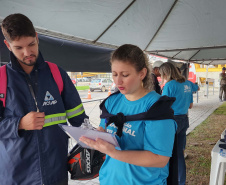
(167, 15)
(207, 83)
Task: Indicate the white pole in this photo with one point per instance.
(207, 83)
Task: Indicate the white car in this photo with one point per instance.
(113, 87)
(102, 84)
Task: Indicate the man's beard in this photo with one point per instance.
(32, 63)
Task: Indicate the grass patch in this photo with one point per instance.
(199, 145)
(221, 110)
(82, 87)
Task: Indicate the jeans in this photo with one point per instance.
(183, 124)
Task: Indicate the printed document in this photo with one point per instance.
(77, 132)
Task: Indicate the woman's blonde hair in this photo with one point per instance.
(132, 54)
(169, 72)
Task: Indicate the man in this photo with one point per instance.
(155, 74)
(31, 153)
(222, 78)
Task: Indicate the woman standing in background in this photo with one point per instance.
(176, 86)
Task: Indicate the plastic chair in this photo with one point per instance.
(223, 134)
(218, 165)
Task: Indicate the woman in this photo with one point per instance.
(176, 86)
(146, 146)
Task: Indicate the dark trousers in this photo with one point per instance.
(64, 182)
(183, 124)
(222, 91)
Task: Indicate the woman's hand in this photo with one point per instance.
(100, 145)
(145, 159)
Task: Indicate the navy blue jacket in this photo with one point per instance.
(36, 157)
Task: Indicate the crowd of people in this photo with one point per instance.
(33, 148)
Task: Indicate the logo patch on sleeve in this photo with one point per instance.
(2, 95)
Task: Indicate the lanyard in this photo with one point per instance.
(31, 88)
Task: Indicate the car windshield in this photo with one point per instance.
(96, 81)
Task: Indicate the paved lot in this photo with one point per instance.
(197, 115)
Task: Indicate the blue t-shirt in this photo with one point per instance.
(155, 136)
(183, 94)
(195, 87)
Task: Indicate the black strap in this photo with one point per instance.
(160, 110)
(31, 88)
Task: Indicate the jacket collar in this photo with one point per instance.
(16, 66)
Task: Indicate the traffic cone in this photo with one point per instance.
(109, 91)
(89, 94)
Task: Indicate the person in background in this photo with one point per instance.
(33, 147)
(222, 77)
(155, 73)
(195, 86)
(146, 145)
(176, 86)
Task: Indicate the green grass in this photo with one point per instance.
(82, 87)
(221, 110)
(199, 145)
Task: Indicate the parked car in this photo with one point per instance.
(87, 79)
(100, 84)
(73, 80)
(80, 79)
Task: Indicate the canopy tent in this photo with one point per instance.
(188, 30)
(71, 56)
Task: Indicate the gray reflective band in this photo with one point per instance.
(75, 112)
(54, 119)
(49, 120)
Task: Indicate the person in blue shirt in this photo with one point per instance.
(146, 145)
(195, 86)
(176, 86)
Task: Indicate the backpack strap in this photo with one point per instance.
(56, 75)
(160, 110)
(3, 82)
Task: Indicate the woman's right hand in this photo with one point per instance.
(101, 129)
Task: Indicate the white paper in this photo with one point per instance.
(77, 132)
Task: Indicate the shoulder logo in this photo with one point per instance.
(187, 88)
(49, 99)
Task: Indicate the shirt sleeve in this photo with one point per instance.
(191, 98)
(195, 87)
(159, 136)
(166, 90)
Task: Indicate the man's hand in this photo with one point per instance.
(32, 121)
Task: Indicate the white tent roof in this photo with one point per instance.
(192, 30)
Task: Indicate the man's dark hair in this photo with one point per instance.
(17, 25)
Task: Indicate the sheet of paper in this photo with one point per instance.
(77, 132)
